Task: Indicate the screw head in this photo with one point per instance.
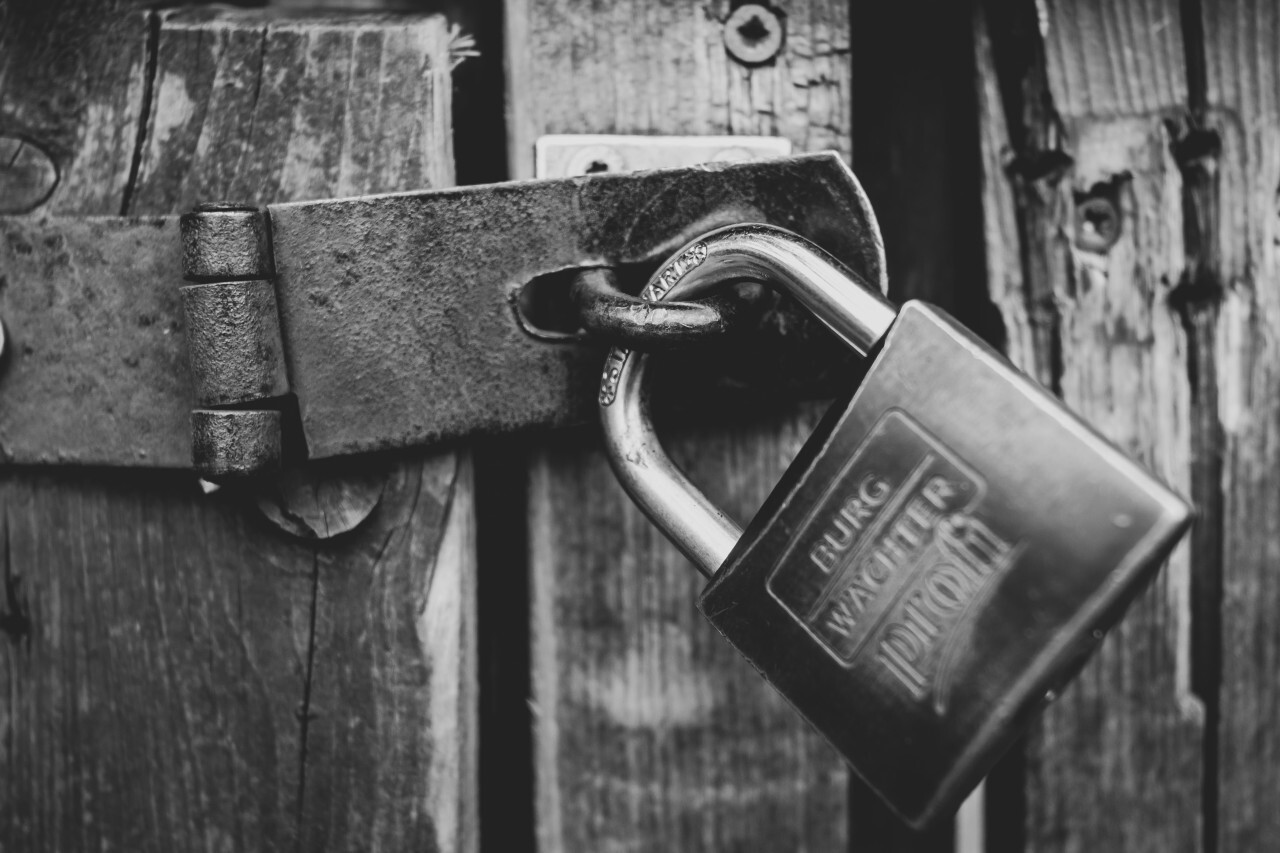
(1097, 224)
(753, 34)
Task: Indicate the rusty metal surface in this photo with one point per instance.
(233, 336)
(394, 309)
(96, 372)
(230, 444)
(225, 241)
(611, 316)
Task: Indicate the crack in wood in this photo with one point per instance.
(304, 709)
(1086, 90)
(1038, 167)
(1197, 299)
(15, 619)
(144, 112)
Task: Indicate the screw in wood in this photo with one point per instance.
(753, 34)
(1097, 224)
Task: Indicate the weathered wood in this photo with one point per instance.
(73, 81)
(1115, 764)
(261, 109)
(1240, 282)
(390, 703)
(180, 673)
(651, 733)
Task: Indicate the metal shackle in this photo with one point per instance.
(763, 253)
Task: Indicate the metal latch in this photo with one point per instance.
(361, 324)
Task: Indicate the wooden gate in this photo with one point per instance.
(502, 654)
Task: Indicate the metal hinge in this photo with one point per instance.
(325, 328)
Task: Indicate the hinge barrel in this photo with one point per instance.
(234, 345)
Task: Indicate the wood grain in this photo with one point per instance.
(1243, 272)
(258, 108)
(73, 81)
(178, 672)
(1115, 764)
(651, 733)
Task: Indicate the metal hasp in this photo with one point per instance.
(943, 555)
(394, 312)
(393, 321)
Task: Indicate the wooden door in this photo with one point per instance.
(179, 672)
(485, 646)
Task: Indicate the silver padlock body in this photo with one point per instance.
(946, 552)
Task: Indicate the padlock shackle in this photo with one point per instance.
(858, 314)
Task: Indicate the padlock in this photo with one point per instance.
(942, 556)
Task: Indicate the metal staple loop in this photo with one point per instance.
(611, 316)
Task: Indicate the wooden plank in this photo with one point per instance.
(1115, 764)
(297, 108)
(1240, 276)
(651, 733)
(73, 80)
(181, 674)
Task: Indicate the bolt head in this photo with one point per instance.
(753, 34)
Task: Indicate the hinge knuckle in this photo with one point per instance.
(233, 335)
(235, 348)
(234, 443)
(224, 242)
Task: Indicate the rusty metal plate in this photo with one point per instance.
(96, 368)
(395, 313)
